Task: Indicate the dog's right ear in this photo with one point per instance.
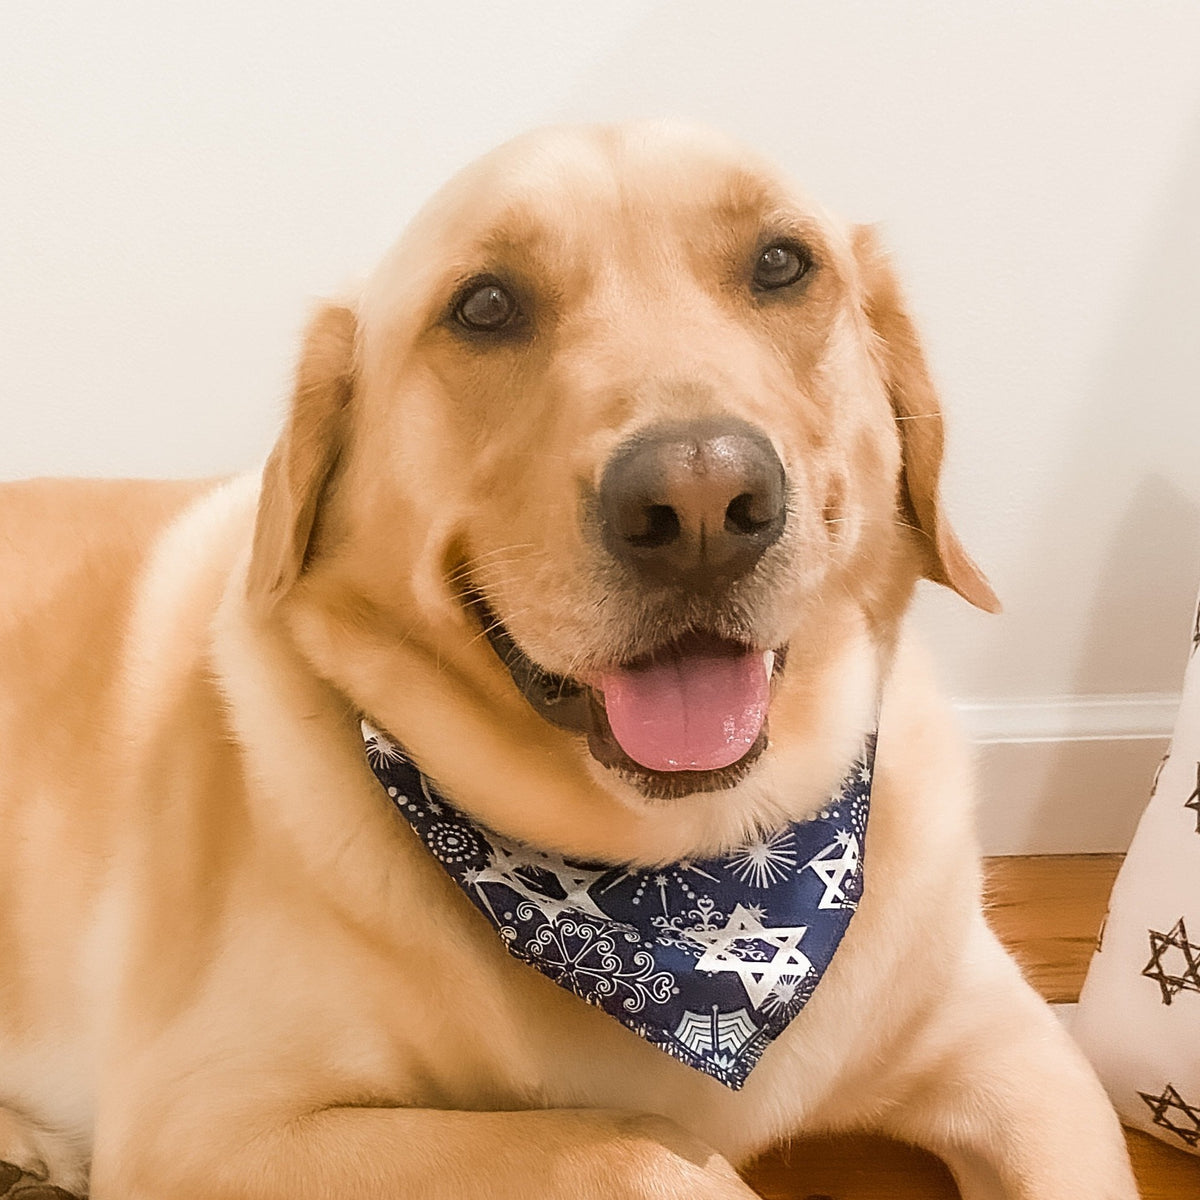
(304, 457)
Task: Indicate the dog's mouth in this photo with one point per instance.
(690, 716)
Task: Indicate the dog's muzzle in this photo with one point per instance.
(686, 511)
(691, 507)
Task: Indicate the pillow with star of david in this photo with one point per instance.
(1139, 1015)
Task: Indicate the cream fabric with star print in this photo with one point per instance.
(1139, 1015)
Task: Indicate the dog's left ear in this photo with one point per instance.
(300, 465)
(919, 418)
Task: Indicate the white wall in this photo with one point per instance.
(180, 180)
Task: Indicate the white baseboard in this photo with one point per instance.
(1066, 775)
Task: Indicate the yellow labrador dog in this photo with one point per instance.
(601, 504)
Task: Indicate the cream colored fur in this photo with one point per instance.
(228, 971)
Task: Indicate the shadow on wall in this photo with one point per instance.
(1147, 585)
(1091, 793)
(1140, 609)
(1132, 469)
(1141, 612)
(1083, 792)
(1142, 601)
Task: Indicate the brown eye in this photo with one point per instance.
(779, 265)
(485, 305)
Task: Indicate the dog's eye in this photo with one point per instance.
(485, 305)
(779, 265)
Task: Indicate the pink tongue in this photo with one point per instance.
(688, 710)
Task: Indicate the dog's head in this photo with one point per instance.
(624, 442)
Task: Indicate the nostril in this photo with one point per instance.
(661, 528)
(746, 514)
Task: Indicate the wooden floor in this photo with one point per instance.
(1048, 911)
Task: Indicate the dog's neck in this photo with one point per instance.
(512, 771)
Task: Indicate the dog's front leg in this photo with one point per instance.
(423, 1154)
(1006, 1098)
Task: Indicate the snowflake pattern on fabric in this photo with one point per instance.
(709, 960)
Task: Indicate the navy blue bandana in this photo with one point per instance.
(709, 959)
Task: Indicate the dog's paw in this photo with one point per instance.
(36, 1164)
(656, 1159)
(19, 1150)
(38, 1191)
(16, 1184)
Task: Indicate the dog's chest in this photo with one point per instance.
(470, 1026)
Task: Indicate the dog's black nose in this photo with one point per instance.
(693, 503)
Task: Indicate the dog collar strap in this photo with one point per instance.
(709, 959)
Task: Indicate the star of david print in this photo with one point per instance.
(1174, 1114)
(833, 866)
(1172, 952)
(1193, 801)
(515, 867)
(761, 971)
